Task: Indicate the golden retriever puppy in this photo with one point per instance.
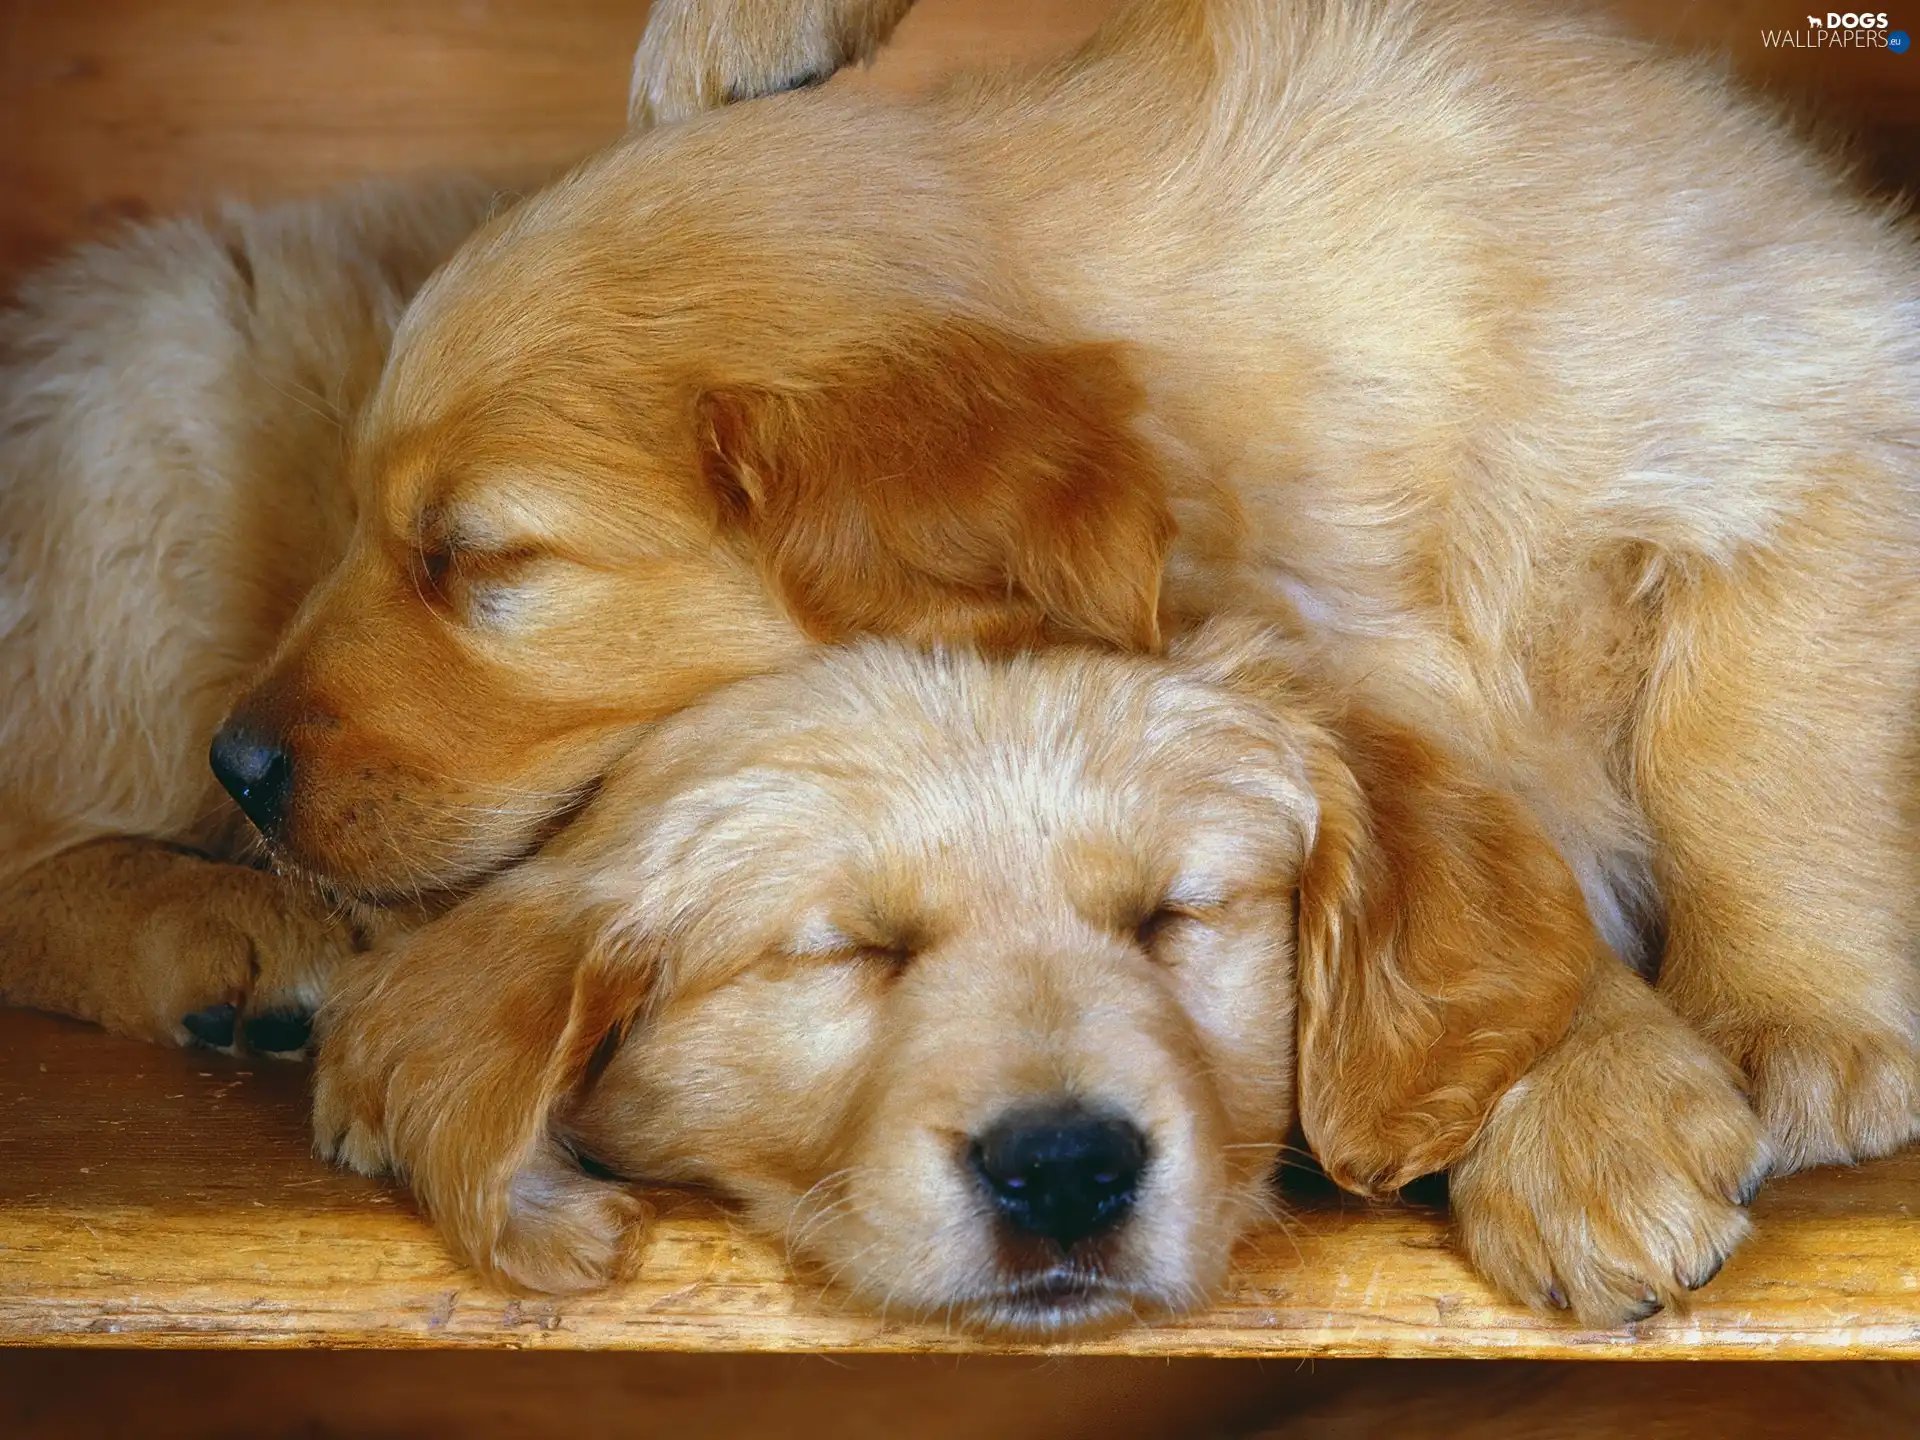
(1572, 398)
(975, 982)
(171, 414)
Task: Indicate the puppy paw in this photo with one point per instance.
(442, 1057)
(701, 54)
(1614, 1178)
(243, 962)
(347, 1118)
(567, 1232)
(554, 1229)
(1831, 1099)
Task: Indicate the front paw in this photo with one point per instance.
(566, 1231)
(1614, 1178)
(347, 1119)
(231, 959)
(538, 1222)
(1831, 1098)
(702, 54)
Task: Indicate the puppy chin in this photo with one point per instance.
(395, 884)
(1060, 1303)
(397, 863)
(1020, 1293)
(1063, 1301)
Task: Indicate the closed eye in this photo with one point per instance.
(893, 958)
(889, 950)
(889, 961)
(475, 586)
(431, 568)
(1154, 928)
(431, 559)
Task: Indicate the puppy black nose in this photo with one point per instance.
(256, 771)
(1061, 1173)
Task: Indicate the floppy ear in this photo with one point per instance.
(445, 1058)
(1443, 946)
(958, 484)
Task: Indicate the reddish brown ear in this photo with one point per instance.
(1444, 945)
(957, 484)
(457, 1045)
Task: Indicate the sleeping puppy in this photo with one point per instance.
(975, 983)
(171, 413)
(1572, 400)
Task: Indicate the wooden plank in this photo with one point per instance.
(151, 1197)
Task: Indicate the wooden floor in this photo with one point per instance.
(168, 1198)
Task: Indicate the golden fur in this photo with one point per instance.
(1565, 397)
(1568, 397)
(850, 915)
(171, 406)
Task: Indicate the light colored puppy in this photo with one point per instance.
(1570, 396)
(172, 408)
(976, 982)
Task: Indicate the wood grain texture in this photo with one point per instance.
(493, 1395)
(151, 1197)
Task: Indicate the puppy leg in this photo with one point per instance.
(1613, 1178)
(441, 1060)
(162, 944)
(1776, 762)
(701, 54)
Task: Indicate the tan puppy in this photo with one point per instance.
(171, 413)
(975, 983)
(1571, 398)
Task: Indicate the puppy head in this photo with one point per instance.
(483, 653)
(645, 435)
(978, 981)
(974, 981)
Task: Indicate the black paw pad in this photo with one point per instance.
(212, 1026)
(278, 1031)
(1644, 1310)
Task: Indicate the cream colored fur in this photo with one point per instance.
(172, 405)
